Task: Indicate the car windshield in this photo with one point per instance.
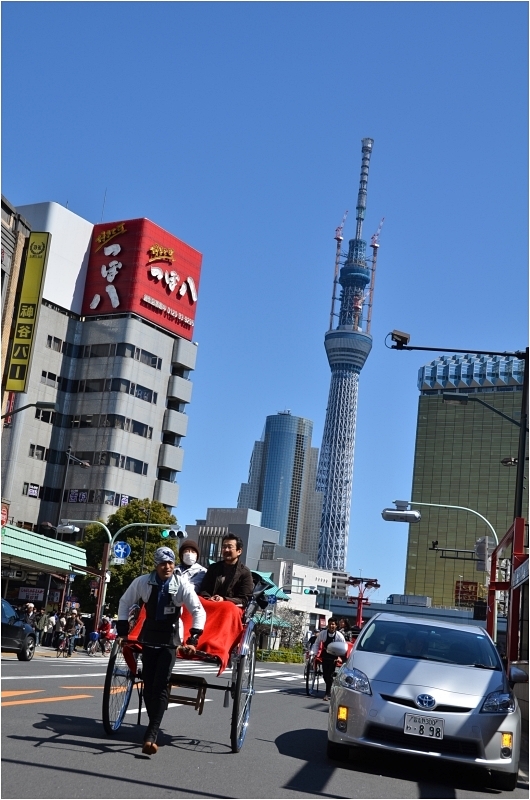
(429, 643)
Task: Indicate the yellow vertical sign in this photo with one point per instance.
(28, 312)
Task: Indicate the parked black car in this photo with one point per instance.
(17, 636)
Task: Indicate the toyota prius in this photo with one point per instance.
(429, 688)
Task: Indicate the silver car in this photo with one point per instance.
(419, 686)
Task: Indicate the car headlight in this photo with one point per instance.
(355, 680)
(498, 703)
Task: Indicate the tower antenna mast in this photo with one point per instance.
(338, 237)
(374, 244)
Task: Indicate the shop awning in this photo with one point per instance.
(261, 619)
(40, 553)
(266, 577)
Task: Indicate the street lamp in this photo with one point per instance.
(401, 514)
(43, 405)
(106, 553)
(58, 529)
(462, 399)
(69, 458)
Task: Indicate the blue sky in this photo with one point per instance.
(237, 127)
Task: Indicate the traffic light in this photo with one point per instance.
(311, 590)
(170, 533)
(482, 554)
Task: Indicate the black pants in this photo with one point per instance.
(328, 668)
(158, 663)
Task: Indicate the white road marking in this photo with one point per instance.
(57, 677)
(170, 705)
(267, 691)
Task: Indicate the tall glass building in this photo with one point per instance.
(282, 480)
(458, 455)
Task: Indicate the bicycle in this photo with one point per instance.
(312, 674)
(94, 646)
(63, 646)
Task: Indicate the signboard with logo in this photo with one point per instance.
(466, 592)
(137, 266)
(27, 313)
(30, 593)
(14, 573)
(5, 512)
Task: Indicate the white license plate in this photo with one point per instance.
(422, 725)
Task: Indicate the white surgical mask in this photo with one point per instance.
(189, 559)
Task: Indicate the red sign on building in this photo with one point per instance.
(136, 266)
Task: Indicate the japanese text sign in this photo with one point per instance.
(136, 266)
(27, 312)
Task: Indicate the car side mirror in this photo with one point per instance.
(517, 675)
(12, 619)
(337, 649)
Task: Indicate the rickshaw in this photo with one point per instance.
(124, 670)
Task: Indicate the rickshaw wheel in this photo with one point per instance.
(119, 682)
(243, 691)
(312, 676)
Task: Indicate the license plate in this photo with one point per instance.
(422, 725)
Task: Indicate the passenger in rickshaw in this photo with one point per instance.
(163, 595)
(189, 570)
(228, 579)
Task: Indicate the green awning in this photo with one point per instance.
(40, 553)
(266, 577)
(260, 619)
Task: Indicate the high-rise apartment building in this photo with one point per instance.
(282, 481)
(112, 347)
(458, 461)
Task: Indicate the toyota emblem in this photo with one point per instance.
(425, 701)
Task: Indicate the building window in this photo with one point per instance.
(37, 451)
(297, 585)
(31, 489)
(45, 416)
(54, 343)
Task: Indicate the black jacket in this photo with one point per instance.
(238, 590)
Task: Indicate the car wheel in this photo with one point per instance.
(506, 781)
(337, 752)
(28, 649)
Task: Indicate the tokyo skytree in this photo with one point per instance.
(347, 348)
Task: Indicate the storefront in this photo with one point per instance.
(37, 568)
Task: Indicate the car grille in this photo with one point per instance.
(382, 735)
(403, 701)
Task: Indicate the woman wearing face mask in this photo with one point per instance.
(188, 569)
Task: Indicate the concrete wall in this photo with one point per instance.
(68, 258)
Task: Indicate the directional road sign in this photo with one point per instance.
(122, 549)
(272, 599)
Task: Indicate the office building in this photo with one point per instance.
(282, 480)
(112, 347)
(242, 522)
(458, 461)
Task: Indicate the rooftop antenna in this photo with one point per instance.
(103, 208)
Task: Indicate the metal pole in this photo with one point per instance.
(519, 480)
(145, 538)
(461, 508)
(63, 488)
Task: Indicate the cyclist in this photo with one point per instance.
(163, 594)
(325, 637)
(105, 633)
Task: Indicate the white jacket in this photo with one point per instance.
(193, 574)
(321, 640)
(180, 594)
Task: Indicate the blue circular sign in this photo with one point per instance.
(272, 599)
(122, 549)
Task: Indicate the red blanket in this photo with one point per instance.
(221, 632)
